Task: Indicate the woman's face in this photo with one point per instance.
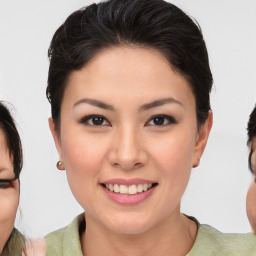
(128, 124)
(9, 192)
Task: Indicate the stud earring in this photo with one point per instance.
(196, 165)
(60, 165)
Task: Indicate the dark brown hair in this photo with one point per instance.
(251, 131)
(145, 23)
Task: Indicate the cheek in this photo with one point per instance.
(9, 201)
(83, 157)
(174, 154)
(83, 153)
(251, 206)
(173, 160)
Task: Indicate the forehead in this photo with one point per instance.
(6, 165)
(3, 142)
(253, 143)
(120, 71)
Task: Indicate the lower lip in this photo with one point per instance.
(129, 199)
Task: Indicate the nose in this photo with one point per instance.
(127, 150)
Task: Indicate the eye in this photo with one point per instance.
(5, 184)
(95, 120)
(161, 120)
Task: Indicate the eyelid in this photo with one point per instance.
(5, 183)
(171, 119)
(85, 120)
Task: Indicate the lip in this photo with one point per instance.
(124, 199)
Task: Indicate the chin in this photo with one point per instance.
(129, 226)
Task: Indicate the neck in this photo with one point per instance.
(173, 236)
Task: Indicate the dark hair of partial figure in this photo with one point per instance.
(251, 131)
(141, 23)
(7, 125)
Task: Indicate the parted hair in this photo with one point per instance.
(144, 23)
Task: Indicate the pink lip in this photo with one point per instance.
(128, 200)
(128, 182)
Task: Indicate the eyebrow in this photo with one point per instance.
(7, 180)
(147, 106)
(95, 103)
(158, 103)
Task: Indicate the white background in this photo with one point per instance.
(217, 189)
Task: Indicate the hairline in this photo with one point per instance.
(129, 45)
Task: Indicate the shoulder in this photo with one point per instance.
(54, 242)
(210, 241)
(65, 239)
(15, 243)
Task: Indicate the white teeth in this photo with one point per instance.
(110, 187)
(140, 188)
(123, 189)
(130, 190)
(116, 188)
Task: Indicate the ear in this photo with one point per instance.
(202, 137)
(55, 136)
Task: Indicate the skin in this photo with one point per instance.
(130, 145)
(9, 197)
(35, 248)
(251, 194)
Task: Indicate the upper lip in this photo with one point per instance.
(128, 182)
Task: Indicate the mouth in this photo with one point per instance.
(133, 189)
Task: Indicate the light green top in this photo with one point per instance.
(209, 242)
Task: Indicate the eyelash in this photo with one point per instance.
(170, 120)
(5, 184)
(88, 120)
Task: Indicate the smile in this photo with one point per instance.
(128, 190)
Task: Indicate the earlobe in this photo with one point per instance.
(55, 136)
(202, 138)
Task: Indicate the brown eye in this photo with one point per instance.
(95, 120)
(158, 120)
(161, 120)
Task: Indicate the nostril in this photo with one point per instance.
(127, 159)
(138, 164)
(127, 165)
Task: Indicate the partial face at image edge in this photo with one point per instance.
(9, 192)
